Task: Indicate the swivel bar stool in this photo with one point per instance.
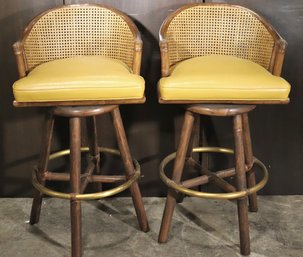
(218, 60)
(81, 61)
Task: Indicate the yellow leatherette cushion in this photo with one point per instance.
(218, 77)
(79, 78)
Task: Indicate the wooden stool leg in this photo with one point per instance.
(129, 167)
(250, 175)
(203, 157)
(42, 167)
(177, 174)
(193, 138)
(93, 146)
(75, 172)
(241, 185)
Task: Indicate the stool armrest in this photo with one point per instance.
(278, 56)
(164, 48)
(137, 54)
(20, 58)
(164, 57)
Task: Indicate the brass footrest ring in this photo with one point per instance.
(91, 196)
(228, 196)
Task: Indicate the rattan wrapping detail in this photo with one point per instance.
(74, 30)
(215, 29)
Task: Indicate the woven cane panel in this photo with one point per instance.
(73, 31)
(225, 30)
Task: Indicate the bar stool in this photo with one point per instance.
(218, 60)
(81, 61)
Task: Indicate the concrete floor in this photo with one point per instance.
(200, 228)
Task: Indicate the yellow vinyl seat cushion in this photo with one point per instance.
(79, 78)
(220, 77)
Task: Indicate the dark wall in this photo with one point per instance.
(20, 129)
(153, 129)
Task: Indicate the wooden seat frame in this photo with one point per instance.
(192, 126)
(75, 111)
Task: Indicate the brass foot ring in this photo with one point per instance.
(91, 196)
(228, 196)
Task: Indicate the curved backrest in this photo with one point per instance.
(204, 29)
(79, 30)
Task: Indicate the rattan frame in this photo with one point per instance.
(24, 69)
(275, 64)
